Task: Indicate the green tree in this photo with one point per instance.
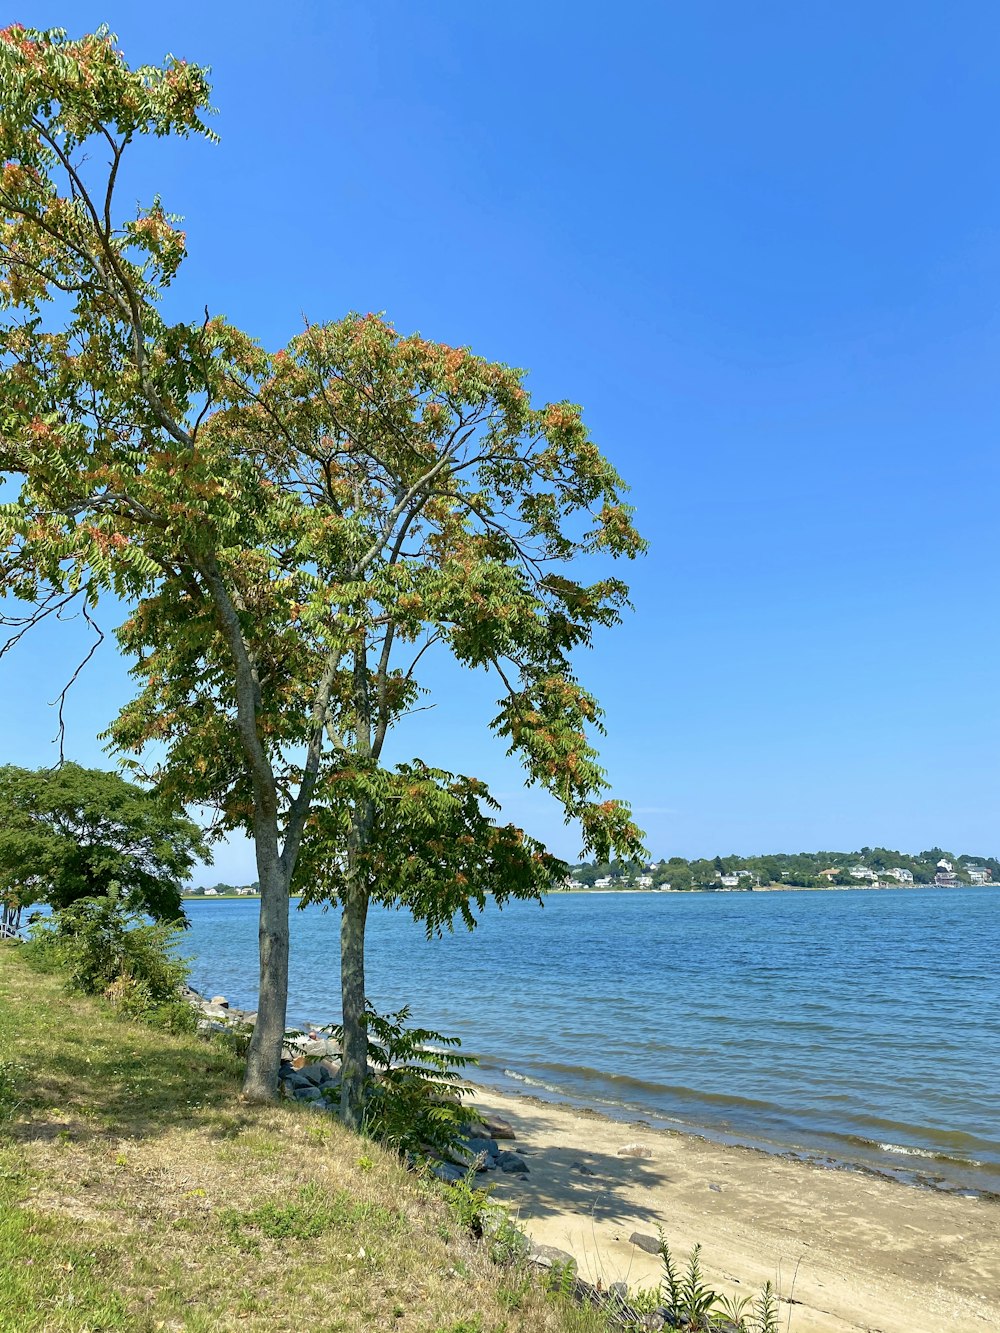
(72, 833)
(293, 531)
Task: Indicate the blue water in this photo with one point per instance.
(860, 1027)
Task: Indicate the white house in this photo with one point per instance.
(603, 883)
(900, 875)
(945, 865)
(644, 881)
(729, 881)
(979, 874)
(211, 893)
(862, 872)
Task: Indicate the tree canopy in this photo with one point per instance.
(70, 833)
(292, 531)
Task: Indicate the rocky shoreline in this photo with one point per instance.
(310, 1074)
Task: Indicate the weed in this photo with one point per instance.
(691, 1304)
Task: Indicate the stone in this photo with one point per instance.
(619, 1290)
(643, 1242)
(447, 1171)
(220, 1000)
(635, 1150)
(470, 1159)
(547, 1256)
(583, 1168)
(498, 1128)
(653, 1321)
(317, 1074)
(208, 1025)
(513, 1163)
(308, 1093)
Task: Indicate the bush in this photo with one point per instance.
(107, 950)
(414, 1101)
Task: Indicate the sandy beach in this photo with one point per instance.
(866, 1254)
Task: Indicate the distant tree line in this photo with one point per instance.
(796, 869)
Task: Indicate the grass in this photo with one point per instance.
(139, 1192)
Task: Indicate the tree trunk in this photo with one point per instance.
(354, 1055)
(260, 1082)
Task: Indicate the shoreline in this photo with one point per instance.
(863, 1251)
(909, 1176)
(657, 893)
(777, 888)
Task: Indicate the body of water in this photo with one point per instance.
(859, 1027)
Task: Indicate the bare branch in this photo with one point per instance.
(60, 701)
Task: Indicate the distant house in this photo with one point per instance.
(947, 879)
(211, 893)
(729, 881)
(945, 865)
(748, 874)
(862, 872)
(830, 874)
(900, 875)
(603, 883)
(247, 891)
(644, 881)
(979, 874)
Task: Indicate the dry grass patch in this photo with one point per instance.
(138, 1192)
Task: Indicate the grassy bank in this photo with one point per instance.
(138, 1192)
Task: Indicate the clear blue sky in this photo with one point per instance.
(761, 245)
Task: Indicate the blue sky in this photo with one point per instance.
(761, 245)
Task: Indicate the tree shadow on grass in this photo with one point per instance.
(83, 1071)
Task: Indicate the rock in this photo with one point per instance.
(642, 1242)
(220, 1000)
(717, 1189)
(313, 1046)
(479, 1154)
(546, 1256)
(619, 1290)
(498, 1128)
(512, 1163)
(583, 1168)
(653, 1320)
(208, 1025)
(447, 1171)
(635, 1150)
(317, 1074)
(308, 1093)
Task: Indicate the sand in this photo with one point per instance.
(851, 1250)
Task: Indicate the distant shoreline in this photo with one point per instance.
(787, 888)
(655, 893)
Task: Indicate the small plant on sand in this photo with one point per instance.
(689, 1303)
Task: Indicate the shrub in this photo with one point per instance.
(106, 949)
(415, 1092)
